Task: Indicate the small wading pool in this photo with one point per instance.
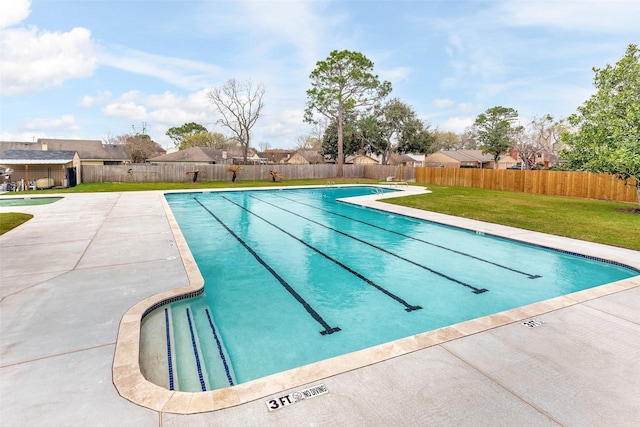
(27, 201)
(296, 276)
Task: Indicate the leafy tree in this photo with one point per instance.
(607, 137)
(399, 129)
(445, 140)
(240, 106)
(177, 134)
(352, 143)
(418, 140)
(368, 134)
(203, 139)
(341, 84)
(494, 130)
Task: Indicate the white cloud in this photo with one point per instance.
(395, 75)
(13, 12)
(443, 103)
(456, 124)
(292, 22)
(269, 35)
(65, 122)
(586, 15)
(283, 128)
(183, 73)
(126, 110)
(33, 60)
(465, 107)
(101, 98)
(161, 111)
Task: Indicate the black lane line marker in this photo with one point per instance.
(195, 353)
(169, 363)
(473, 288)
(529, 275)
(220, 352)
(408, 307)
(327, 329)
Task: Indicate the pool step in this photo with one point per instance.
(190, 334)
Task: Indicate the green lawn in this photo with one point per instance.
(9, 221)
(148, 186)
(611, 223)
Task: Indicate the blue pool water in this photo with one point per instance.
(294, 276)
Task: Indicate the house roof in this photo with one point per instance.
(351, 159)
(87, 149)
(478, 155)
(468, 155)
(401, 158)
(276, 155)
(33, 157)
(311, 156)
(195, 154)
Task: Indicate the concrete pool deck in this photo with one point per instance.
(70, 274)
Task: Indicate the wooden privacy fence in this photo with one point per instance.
(554, 183)
(177, 172)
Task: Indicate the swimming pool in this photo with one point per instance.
(27, 201)
(294, 276)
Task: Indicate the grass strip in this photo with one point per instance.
(611, 223)
(11, 220)
(151, 186)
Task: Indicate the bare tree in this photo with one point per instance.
(139, 145)
(308, 142)
(240, 106)
(526, 146)
(264, 146)
(547, 133)
(320, 125)
(541, 138)
(467, 140)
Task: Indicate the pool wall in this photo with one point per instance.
(132, 385)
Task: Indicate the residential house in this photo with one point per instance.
(90, 151)
(361, 159)
(305, 157)
(276, 156)
(402, 159)
(460, 158)
(41, 169)
(199, 156)
(48, 156)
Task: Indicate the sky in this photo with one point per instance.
(94, 69)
